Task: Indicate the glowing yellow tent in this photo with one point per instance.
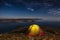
(34, 30)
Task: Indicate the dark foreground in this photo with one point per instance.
(50, 34)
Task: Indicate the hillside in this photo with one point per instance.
(19, 34)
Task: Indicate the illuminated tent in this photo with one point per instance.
(34, 30)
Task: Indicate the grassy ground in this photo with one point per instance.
(21, 36)
(50, 34)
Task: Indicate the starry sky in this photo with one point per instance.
(45, 9)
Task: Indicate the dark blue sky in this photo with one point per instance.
(45, 9)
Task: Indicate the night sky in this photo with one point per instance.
(45, 9)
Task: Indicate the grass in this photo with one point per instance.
(23, 37)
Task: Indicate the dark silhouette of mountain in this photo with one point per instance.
(20, 20)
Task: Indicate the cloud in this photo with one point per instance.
(54, 12)
(51, 18)
(7, 4)
(30, 9)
